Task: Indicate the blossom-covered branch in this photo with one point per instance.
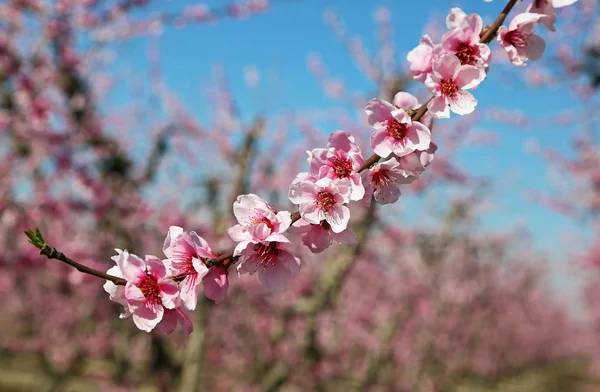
(157, 292)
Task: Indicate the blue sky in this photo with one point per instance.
(278, 42)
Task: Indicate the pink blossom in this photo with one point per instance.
(258, 222)
(148, 291)
(340, 160)
(519, 41)
(187, 252)
(382, 182)
(463, 41)
(275, 264)
(448, 82)
(323, 200)
(421, 58)
(320, 237)
(395, 132)
(261, 245)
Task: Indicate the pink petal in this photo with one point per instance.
(462, 102)
(338, 218)
(345, 237)
(289, 261)
(216, 284)
(132, 266)
(446, 66)
(317, 239)
(405, 100)
(469, 77)
(387, 195)
(174, 232)
(155, 267)
(274, 277)
(185, 321)
(439, 107)
(146, 318)
(378, 111)
(169, 293)
(302, 192)
(168, 322)
(379, 143)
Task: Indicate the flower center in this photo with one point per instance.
(448, 87)
(267, 254)
(342, 167)
(326, 200)
(381, 179)
(396, 129)
(466, 54)
(263, 219)
(149, 287)
(518, 39)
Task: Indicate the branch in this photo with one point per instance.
(50, 252)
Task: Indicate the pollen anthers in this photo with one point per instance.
(267, 254)
(448, 87)
(342, 167)
(466, 54)
(326, 200)
(518, 38)
(396, 129)
(148, 285)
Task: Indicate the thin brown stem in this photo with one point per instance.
(51, 253)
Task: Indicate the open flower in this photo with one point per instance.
(258, 221)
(148, 291)
(395, 132)
(463, 41)
(382, 182)
(519, 41)
(187, 252)
(448, 82)
(261, 246)
(340, 160)
(323, 200)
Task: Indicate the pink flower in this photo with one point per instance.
(187, 253)
(519, 41)
(463, 41)
(421, 58)
(340, 160)
(395, 132)
(382, 182)
(258, 222)
(275, 264)
(319, 237)
(323, 200)
(417, 161)
(216, 283)
(261, 245)
(448, 82)
(148, 291)
(404, 100)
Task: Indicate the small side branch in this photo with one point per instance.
(50, 252)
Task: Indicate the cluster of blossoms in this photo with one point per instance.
(157, 291)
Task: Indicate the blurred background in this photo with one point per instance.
(119, 118)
